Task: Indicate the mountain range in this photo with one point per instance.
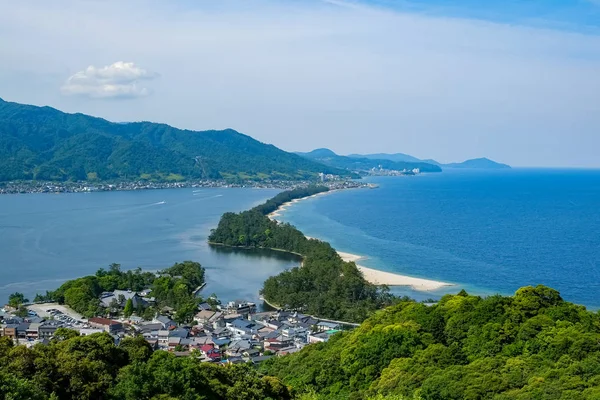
(360, 163)
(43, 143)
(476, 163)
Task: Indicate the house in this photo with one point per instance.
(219, 343)
(240, 307)
(163, 338)
(166, 322)
(288, 350)
(326, 326)
(251, 353)
(47, 329)
(10, 330)
(173, 342)
(22, 330)
(120, 297)
(204, 316)
(234, 360)
(90, 331)
(259, 359)
(33, 331)
(106, 324)
(318, 337)
(150, 327)
(179, 332)
(242, 327)
(217, 320)
(273, 324)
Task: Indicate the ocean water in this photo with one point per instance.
(46, 239)
(487, 232)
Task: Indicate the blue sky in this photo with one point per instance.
(516, 81)
(575, 15)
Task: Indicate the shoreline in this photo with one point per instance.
(378, 277)
(277, 213)
(371, 275)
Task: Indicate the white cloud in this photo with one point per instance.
(119, 80)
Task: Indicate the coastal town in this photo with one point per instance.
(231, 333)
(22, 187)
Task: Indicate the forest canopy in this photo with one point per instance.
(532, 345)
(94, 368)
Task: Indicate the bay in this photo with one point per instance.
(485, 231)
(46, 239)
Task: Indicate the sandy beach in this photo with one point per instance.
(287, 204)
(378, 277)
(373, 276)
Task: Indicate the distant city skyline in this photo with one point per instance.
(515, 82)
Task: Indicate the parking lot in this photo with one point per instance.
(58, 312)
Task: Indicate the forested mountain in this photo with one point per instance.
(532, 345)
(46, 144)
(328, 157)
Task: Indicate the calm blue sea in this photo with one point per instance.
(487, 232)
(46, 239)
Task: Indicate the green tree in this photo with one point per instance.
(128, 310)
(137, 348)
(22, 312)
(16, 299)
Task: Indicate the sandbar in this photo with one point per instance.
(371, 275)
(378, 277)
(284, 206)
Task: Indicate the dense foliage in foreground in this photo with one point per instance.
(532, 345)
(173, 287)
(93, 367)
(324, 285)
(45, 144)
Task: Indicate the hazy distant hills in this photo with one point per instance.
(477, 163)
(360, 163)
(46, 144)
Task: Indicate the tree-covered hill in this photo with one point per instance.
(46, 144)
(532, 345)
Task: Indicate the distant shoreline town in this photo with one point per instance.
(25, 187)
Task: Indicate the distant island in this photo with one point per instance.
(45, 144)
(476, 163)
(366, 165)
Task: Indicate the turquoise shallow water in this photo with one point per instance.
(46, 239)
(487, 232)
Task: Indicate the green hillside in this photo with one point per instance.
(46, 144)
(532, 345)
(328, 157)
